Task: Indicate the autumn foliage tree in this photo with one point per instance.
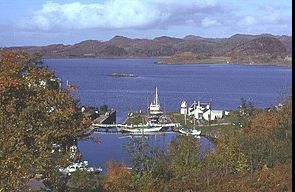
(118, 177)
(34, 114)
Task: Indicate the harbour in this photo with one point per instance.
(175, 84)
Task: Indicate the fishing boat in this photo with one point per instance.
(141, 129)
(155, 108)
(188, 131)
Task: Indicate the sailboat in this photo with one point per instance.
(188, 131)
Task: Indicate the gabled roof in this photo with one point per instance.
(201, 105)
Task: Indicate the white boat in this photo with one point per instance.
(188, 131)
(82, 166)
(143, 129)
(155, 108)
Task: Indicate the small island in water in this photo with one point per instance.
(123, 74)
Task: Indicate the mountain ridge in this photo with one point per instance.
(164, 46)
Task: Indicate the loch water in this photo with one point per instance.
(221, 84)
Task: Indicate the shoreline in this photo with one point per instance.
(81, 57)
(289, 65)
(176, 63)
(246, 64)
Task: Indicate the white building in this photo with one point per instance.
(203, 111)
(183, 108)
(214, 114)
(197, 109)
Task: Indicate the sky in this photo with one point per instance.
(43, 22)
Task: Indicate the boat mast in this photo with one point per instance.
(209, 112)
(147, 106)
(156, 97)
(194, 115)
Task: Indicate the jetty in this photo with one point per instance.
(154, 120)
(108, 118)
(164, 125)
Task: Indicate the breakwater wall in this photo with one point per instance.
(108, 118)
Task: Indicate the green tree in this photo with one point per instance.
(103, 109)
(184, 156)
(246, 111)
(143, 156)
(84, 181)
(118, 178)
(34, 115)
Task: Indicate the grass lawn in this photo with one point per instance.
(203, 125)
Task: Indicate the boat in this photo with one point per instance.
(153, 124)
(123, 75)
(155, 108)
(188, 131)
(82, 166)
(141, 129)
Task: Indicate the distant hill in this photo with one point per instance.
(259, 50)
(264, 48)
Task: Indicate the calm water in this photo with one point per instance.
(223, 85)
(100, 148)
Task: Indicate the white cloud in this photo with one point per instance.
(207, 22)
(247, 21)
(113, 14)
(266, 16)
(272, 15)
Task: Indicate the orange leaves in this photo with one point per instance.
(12, 63)
(268, 121)
(277, 178)
(8, 83)
(115, 171)
(34, 113)
(264, 122)
(71, 88)
(86, 121)
(9, 68)
(117, 178)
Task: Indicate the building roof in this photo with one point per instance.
(201, 105)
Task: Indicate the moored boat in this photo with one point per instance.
(155, 108)
(188, 131)
(143, 129)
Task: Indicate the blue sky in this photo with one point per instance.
(43, 22)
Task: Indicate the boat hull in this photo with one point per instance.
(189, 132)
(141, 129)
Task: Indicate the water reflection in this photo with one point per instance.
(99, 148)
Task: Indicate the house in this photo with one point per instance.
(197, 109)
(203, 111)
(213, 114)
